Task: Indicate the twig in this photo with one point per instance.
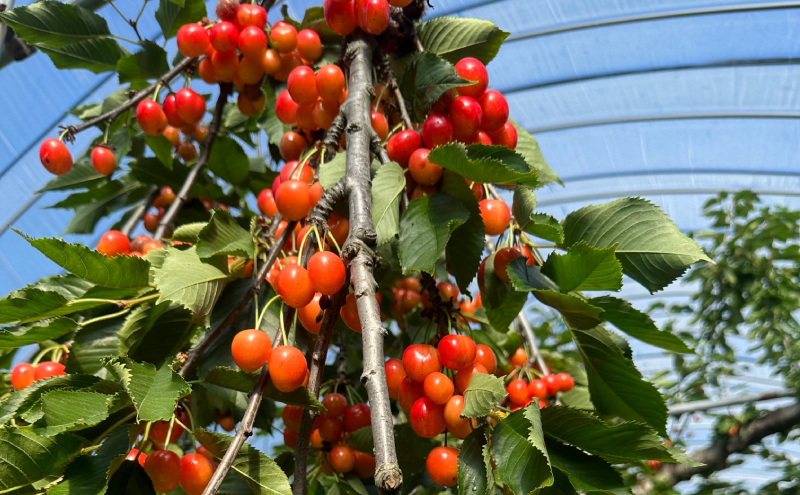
(385, 67)
(522, 322)
(225, 89)
(137, 215)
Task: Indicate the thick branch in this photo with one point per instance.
(225, 90)
(137, 215)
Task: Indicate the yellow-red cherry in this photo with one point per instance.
(164, 469)
(465, 115)
(302, 85)
(327, 272)
(271, 62)
(552, 384)
(519, 358)
(420, 360)
(309, 46)
(436, 131)
(284, 37)
(517, 391)
(330, 82)
(294, 286)
(409, 392)
(251, 15)
(349, 313)
(135, 455)
(294, 170)
(340, 16)
(331, 429)
(456, 352)
(537, 389)
(266, 203)
(225, 420)
(293, 199)
(472, 69)
(224, 36)
(495, 215)
(196, 472)
(442, 466)
(253, 44)
(225, 65)
(251, 349)
(373, 16)
(422, 170)
(103, 160)
(365, 465)
(438, 388)
(395, 373)
(292, 416)
(113, 243)
(335, 403)
(190, 106)
(485, 355)
(22, 376)
(292, 144)
(342, 458)
(151, 221)
(448, 291)
(206, 70)
(159, 430)
(324, 113)
(287, 368)
(356, 417)
(379, 124)
(308, 314)
(565, 382)
(192, 40)
(452, 411)
(55, 156)
(463, 377)
(151, 117)
(427, 418)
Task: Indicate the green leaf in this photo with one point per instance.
(465, 248)
(259, 471)
(68, 410)
(586, 473)
(576, 312)
(35, 333)
(55, 24)
(82, 175)
(93, 343)
(362, 440)
(388, 184)
(528, 147)
(244, 382)
(501, 316)
(454, 38)
(26, 457)
(495, 290)
(525, 277)
(171, 16)
(87, 474)
(96, 55)
(650, 247)
(584, 268)
(229, 161)
(331, 172)
(188, 232)
(638, 325)
(190, 281)
(154, 392)
(120, 271)
(151, 171)
(411, 449)
(424, 80)
(475, 474)
(523, 206)
(20, 400)
(223, 235)
(425, 228)
(519, 453)
(166, 330)
(616, 386)
(484, 393)
(149, 63)
(162, 148)
(130, 479)
(546, 227)
(92, 205)
(485, 164)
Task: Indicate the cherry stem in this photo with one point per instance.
(260, 315)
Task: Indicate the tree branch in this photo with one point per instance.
(225, 90)
(137, 215)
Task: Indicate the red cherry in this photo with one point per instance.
(506, 136)
(327, 272)
(340, 16)
(331, 429)
(463, 377)
(293, 199)
(495, 111)
(427, 418)
(103, 160)
(409, 392)
(266, 203)
(402, 145)
(394, 376)
(292, 416)
(292, 144)
(495, 215)
(55, 156)
(485, 356)
(503, 257)
(135, 455)
(284, 37)
(479, 137)
(379, 124)
(295, 287)
(438, 388)
(170, 110)
(151, 117)
(365, 465)
(187, 151)
(286, 108)
(526, 251)
(226, 421)
(305, 117)
(465, 115)
(316, 441)
(224, 36)
(252, 43)
(336, 404)
(437, 130)
(565, 382)
(271, 62)
(357, 417)
(151, 221)
(159, 430)
(456, 352)
(192, 40)
(225, 65)
(226, 9)
(287, 368)
(302, 85)
(537, 389)
(151, 245)
(519, 358)
(472, 69)
(340, 227)
(442, 466)
(552, 384)
(308, 315)
(113, 243)
(342, 458)
(309, 46)
(164, 469)
(251, 349)
(448, 291)
(422, 170)
(290, 438)
(22, 376)
(420, 360)
(373, 16)
(452, 412)
(349, 313)
(324, 113)
(293, 170)
(288, 62)
(190, 106)
(518, 391)
(251, 15)
(196, 472)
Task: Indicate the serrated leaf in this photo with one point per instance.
(362, 440)
(484, 164)
(651, 248)
(82, 175)
(454, 38)
(55, 24)
(188, 232)
(475, 474)
(332, 171)
(616, 386)
(223, 235)
(38, 332)
(523, 205)
(130, 479)
(154, 392)
(584, 268)
(586, 473)
(259, 471)
(425, 228)
(522, 465)
(525, 277)
(546, 227)
(576, 312)
(190, 281)
(162, 148)
(87, 474)
(167, 330)
(95, 55)
(387, 185)
(26, 457)
(119, 271)
(242, 381)
(171, 16)
(112, 196)
(93, 343)
(528, 147)
(69, 410)
(21, 399)
(465, 247)
(637, 324)
(148, 63)
(228, 161)
(501, 316)
(484, 393)
(425, 78)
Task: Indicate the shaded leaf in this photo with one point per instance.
(465, 247)
(425, 228)
(525, 277)
(55, 24)
(362, 440)
(484, 164)
(484, 393)
(475, 474)
(584, 268)
(576, 312)
(130, 479)
(26, 457)
(18, 401)
(425, 78)
(454, 38)
(228, 161)
(523, 205)
(517, 448)
(82, 175)
(35, 333)
(87, 473)
(93, 343)
(243, 382)
(546, 227)
(148, 63)
(586, 473)
(162, 148)
(70, 410)
(501, 316)
(411, 448)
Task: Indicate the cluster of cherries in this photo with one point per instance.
(24, 374)
(521, 393)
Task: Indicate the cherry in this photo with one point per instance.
(309, 46)
(506, 136)
(460, 432)
(379, 124)
(519, 358)
(442, 466)
(340, 227)
(103, 160)
(452, 411)
(266, 203)
(420, 360)
(331, 429)
(552, 384)
(323, 113)
(349, 313)
(316, 440)
(402, 145)
(456, 352)
(437, 130)
(150, 245)
(271, 62)
(113, 243)
(288, 62)
(336, 404)
(442, 105)
(565, 382)
(192, 40)
(302, 85)
(409, 392)
(190, 106)
(250, 72)
(251, 107)
(164, 469)
(22, 376)
(305, 117)
(495, 111)
(284, 37)
(466, 116)
(373, 16)
(342, 458)
(225, 65)
(308, 315)
(448, 291)
(286, 108)
(495, 215)
(224, 36)
(135, 455)
(463, 377)
(365, 465)
(151, 118)
(288, 367)
(55, 156)
(394, 376)
(485, 356)
(315, 193)
(295, 287)
(225, 421)
(327, 272)
(654, 465)
(503, 257)
(187, 151)
(427, 418)
(526, 251)
(472, 69)
(173, 136)
(290, 438)
(226, 9)
(159, 430)
(251, 349)
(292, 144)
(196, 472)
(251, 15)
(206, 70)
(293, 199)
(422, 170)
(293, 170)
(438, 388)
(205, 453)
(138, 243)
(340, 16)
(151, 221)
(479, 137)
(165, 197)
(537, 389)
(292, 416)
(517, 391)
(357, 417)
(252, 43)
